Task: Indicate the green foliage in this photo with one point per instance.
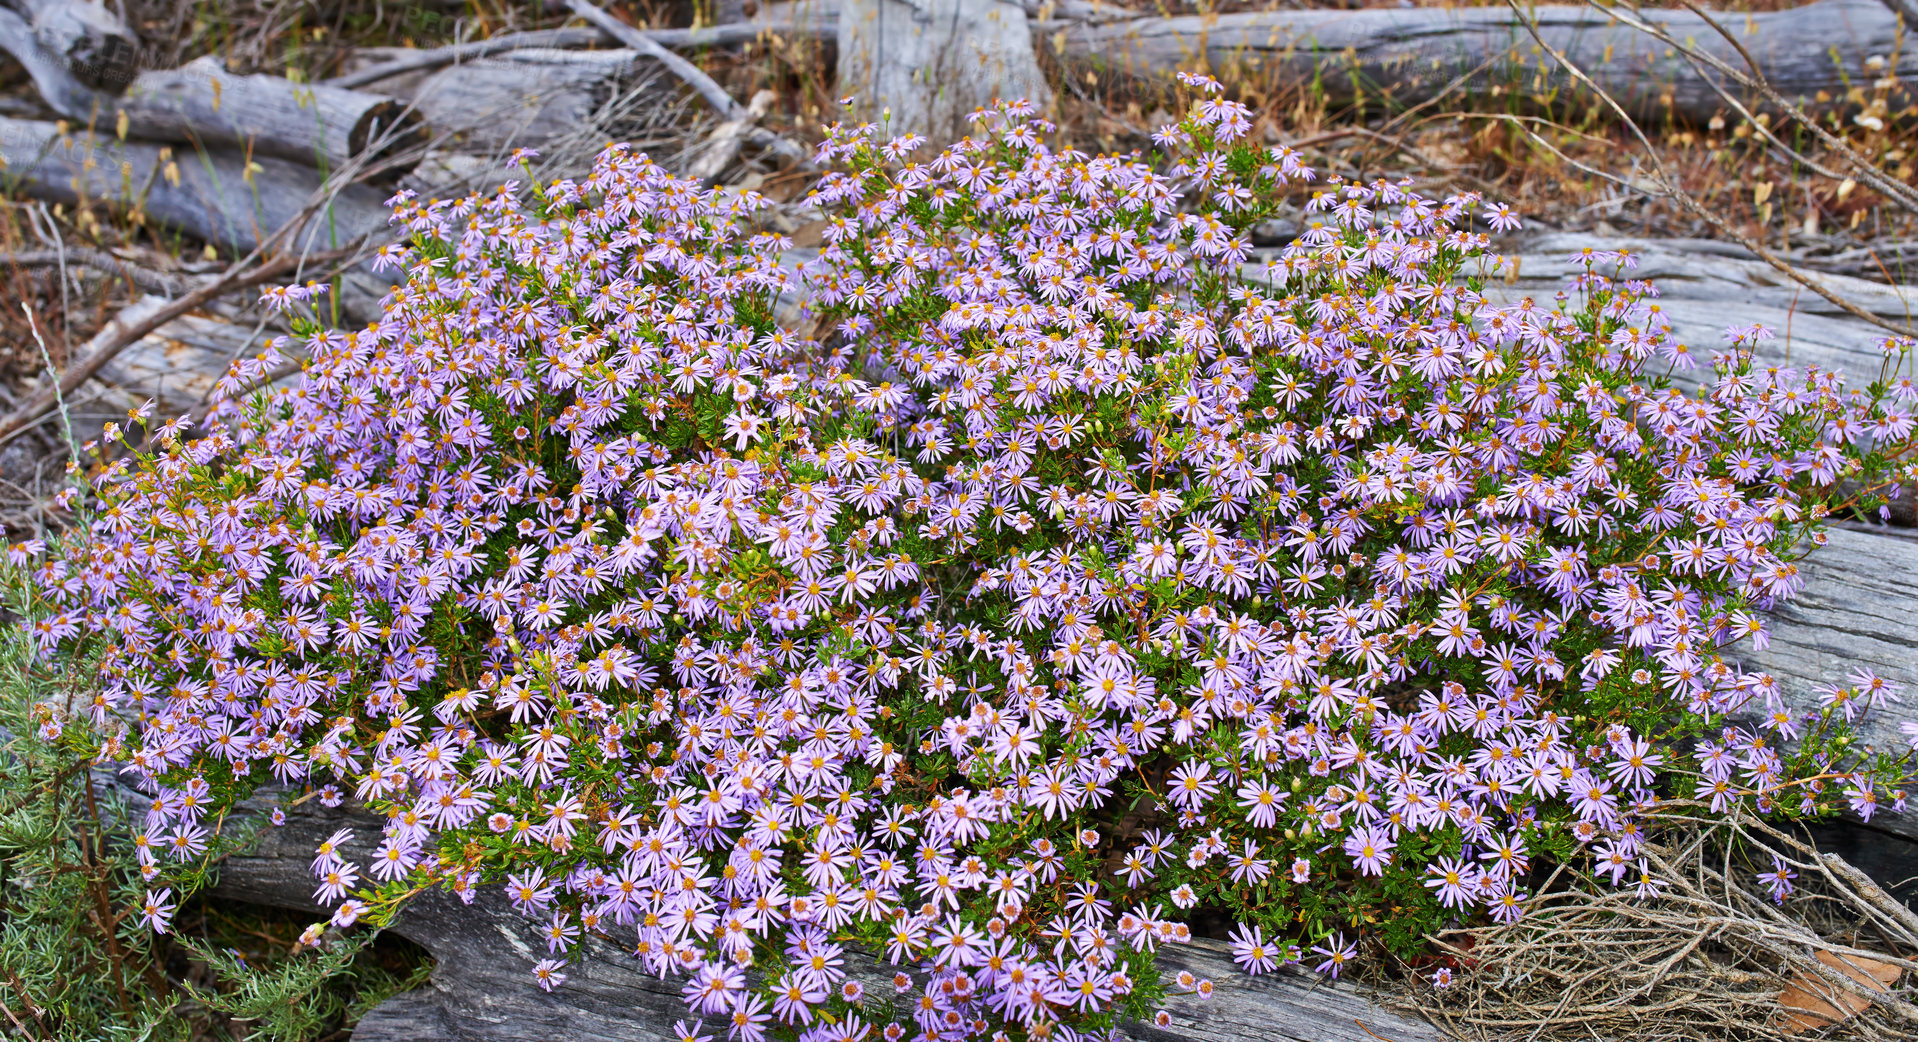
(76, 962)
(295, 999)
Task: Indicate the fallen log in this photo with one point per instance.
(1859, 608)
(1705, 286)
(315, 124)
(178, 364)
(203, 104)
(1402, 57)
(523, 99)
(216, 196)
(57, 83)
(386, 63)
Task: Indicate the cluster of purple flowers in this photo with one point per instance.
(1080, 566)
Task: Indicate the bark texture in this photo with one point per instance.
(215, 196)
(94, 45)
(923, 66)
(1401, 57)
(315, 124)
(201, 103)
(524, 99)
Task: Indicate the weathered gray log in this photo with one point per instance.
(1706, 286)
(215, 196)
(924, 66)
(1402, 56)
(523, 99)
(94, 45)
(315, 124)
(1859, 610)
(1406, 56)
(57, 83)
(482, 986)
(176, 366)
(203, 104)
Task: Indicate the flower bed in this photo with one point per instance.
(1075, 581)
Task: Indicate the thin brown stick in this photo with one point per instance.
(1755, 80)
(1670, 188)
(99, 260)
(236, 277)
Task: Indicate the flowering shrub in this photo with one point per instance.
(1079, 578)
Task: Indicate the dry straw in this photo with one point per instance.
(1713, 957)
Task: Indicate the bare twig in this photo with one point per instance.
(1707, 960)
(453, 54)
(100, 260)
(59, 398)
(1670, 188)
(694, 77)
(638, 40)
(239, 276)
(1866, 171)
(728, 35)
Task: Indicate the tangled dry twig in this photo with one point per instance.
(1712, 957)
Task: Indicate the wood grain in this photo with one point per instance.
(923, 66)
(1402, 57)
(216, 196)
(314, 124)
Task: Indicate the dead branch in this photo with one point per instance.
(1669, 187)
(316, 124)
(692, 76)
(1711, 957)
(811, 22)
(101, 261)
(108, 346)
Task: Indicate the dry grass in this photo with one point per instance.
(1708, 961)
